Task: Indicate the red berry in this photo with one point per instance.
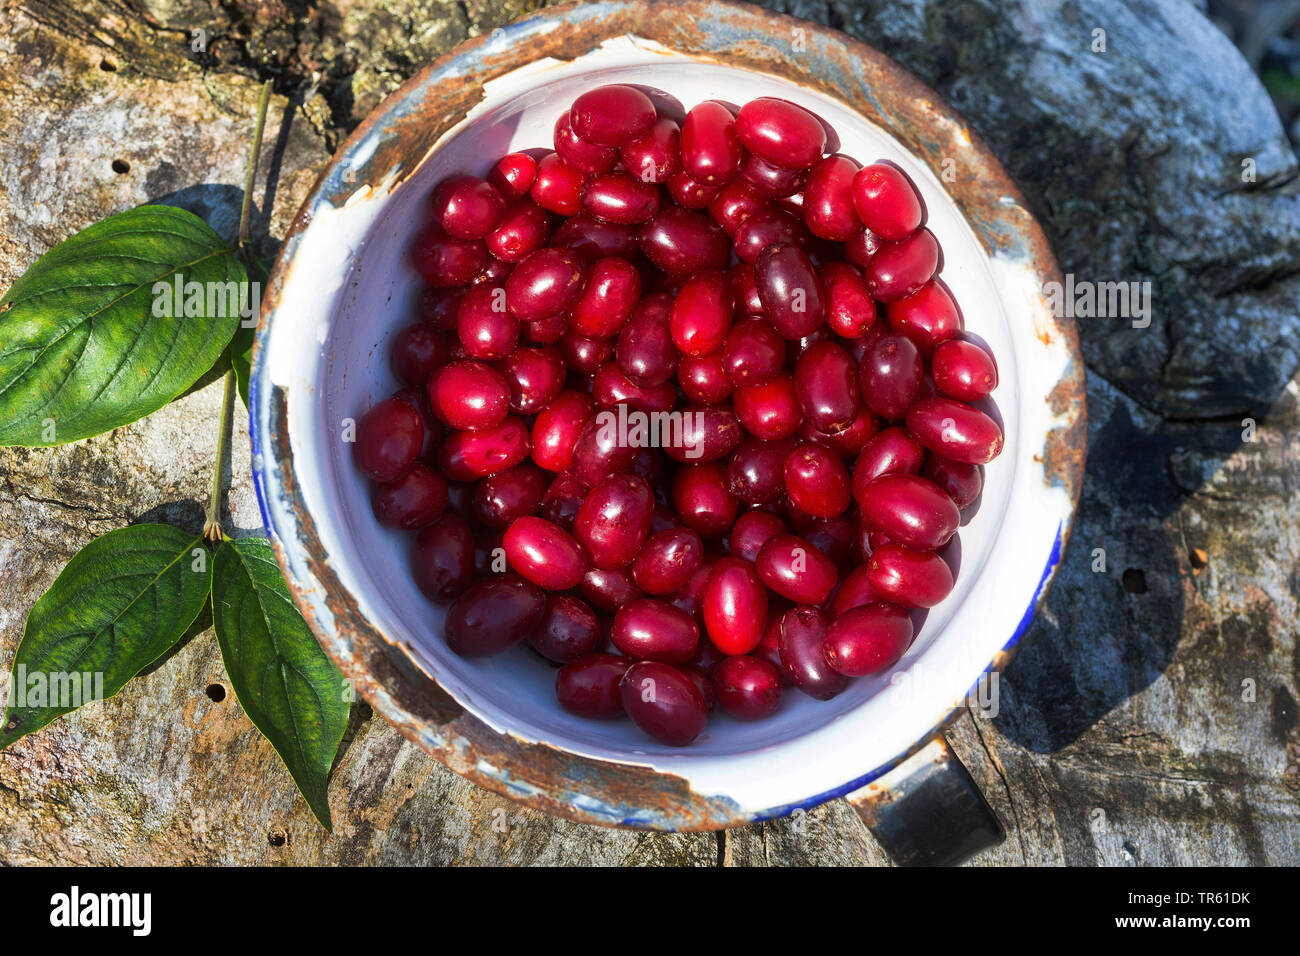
(388, 440)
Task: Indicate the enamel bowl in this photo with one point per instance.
(343, 286)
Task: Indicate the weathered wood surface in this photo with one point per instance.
(1127, 731)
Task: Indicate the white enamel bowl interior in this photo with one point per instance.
(810, 748)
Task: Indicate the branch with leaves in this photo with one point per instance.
(85, 348)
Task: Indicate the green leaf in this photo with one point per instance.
(120, 604)
(81, 350)
(290, 689)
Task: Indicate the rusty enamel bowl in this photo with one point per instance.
(343, 286)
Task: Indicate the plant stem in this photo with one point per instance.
(212, 518)
(246, 208)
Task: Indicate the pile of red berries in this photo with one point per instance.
(776, 311)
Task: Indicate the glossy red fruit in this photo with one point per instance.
(890, 376)
(790, 290)
(771, 226)
(442, 561)
(700, 495)
(664, 702)
(706, 433)
(594, 238)
(500, 499)
(780, 132)
(544, 553)
(753, 352)
(751, 531)
(614, 520)
(412, 501)
(734, 606)
(854, 591)
(828, 199)
(620, 197)
(826, 381)
(523, 229)
(961, 482)
(535, 377)
(834, 537)
(547, 331)
(850, 310)
(468, 394)
(711, 150)
(795, 569)
(701, 314)
(898, 269)
(756, 470)
(867, 639)
(704, 379)
(547, 282)
(612, 115)
(437, 307)
(928, 316)
(444, 261)
(493, 615)
(557, 186)
(912, 510)
(653, 630)
(802, 630)
(580, 154)
(612, 291)
(770, 179)
(656, 157)
(569, 630)
(817, 480)
(611, 388)
(513, 175)
(907, 577)
(748, 688)
(963, 370)
(609, 590)
(955, 430)
(848, 441)
(466, 455)
(681, 242)
(599, 453)
(389, 439)
(769, 411)
(589, 685)
(646, 353)
(585, 356)
(562, 499)
(859, 250)
(557, 427)
(418, 351)
(485, 329)
(737, 201)
(887, 202)
(467, 207)
(667, 560)
(689, 194)
(744, 289)
(893, 450)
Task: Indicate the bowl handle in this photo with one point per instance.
(927, 811)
